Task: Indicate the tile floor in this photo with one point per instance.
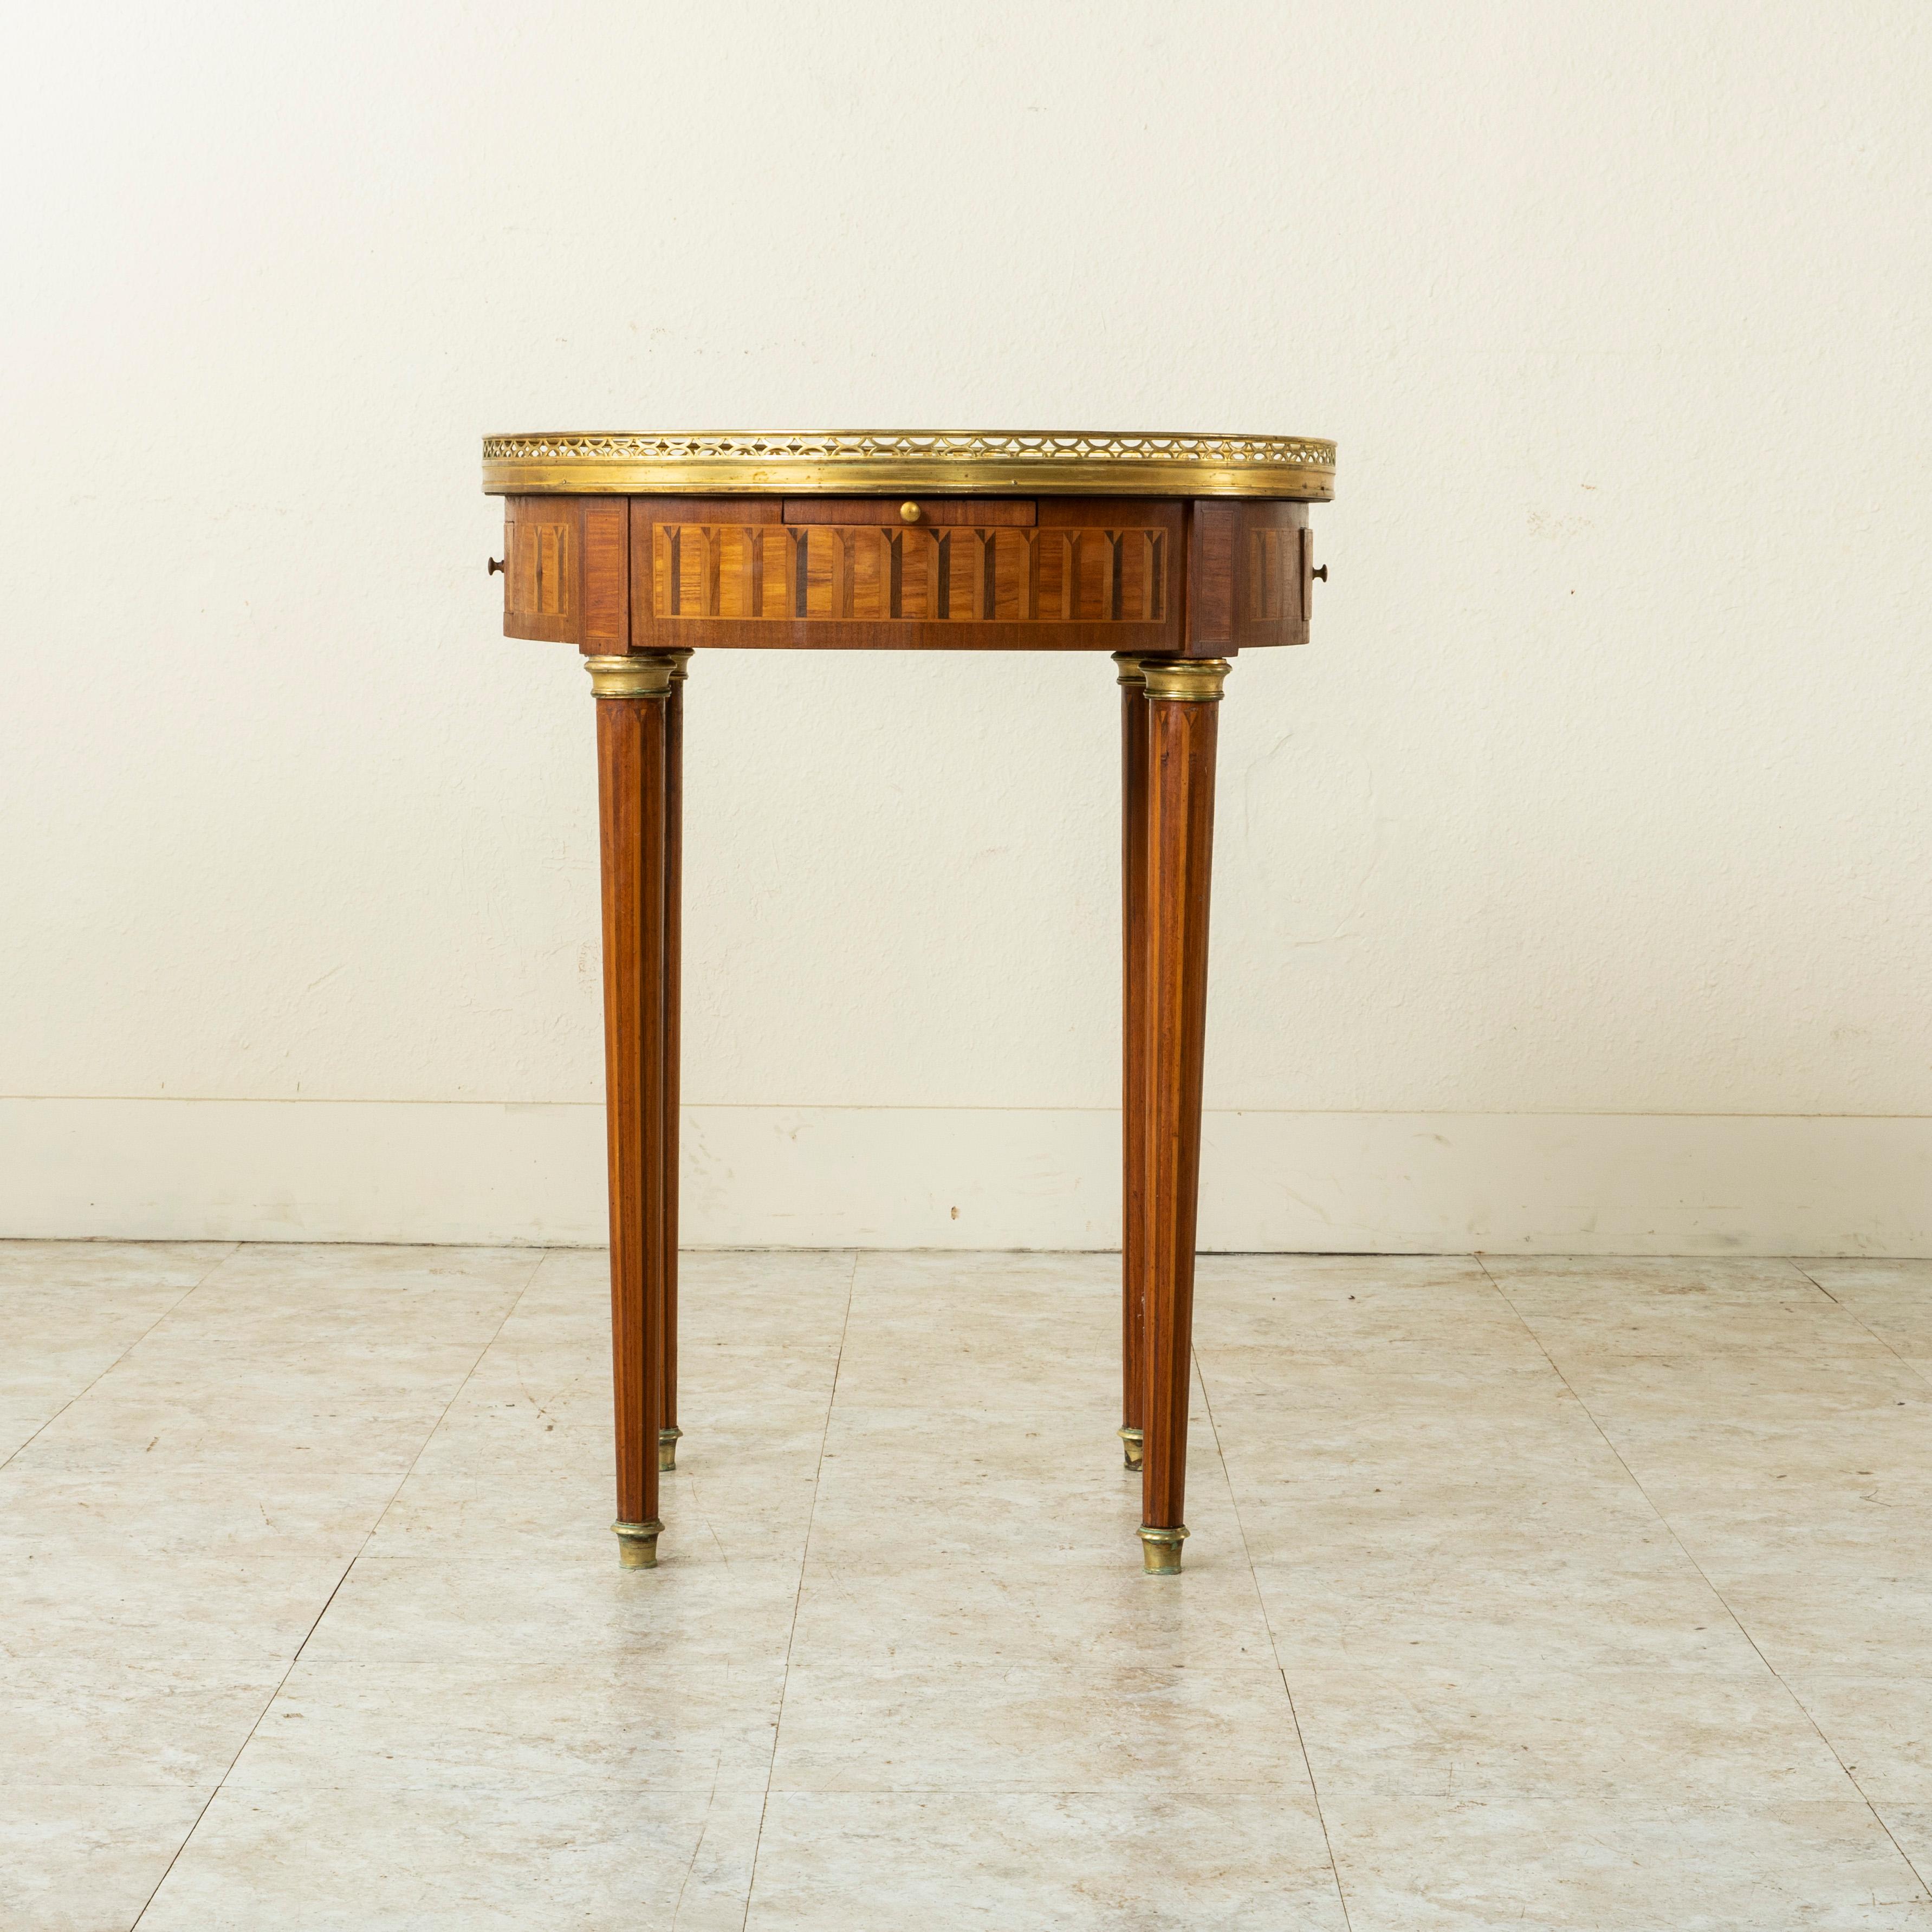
(1535, 1593)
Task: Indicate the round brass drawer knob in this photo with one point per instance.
(909, 513)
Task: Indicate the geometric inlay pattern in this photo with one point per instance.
(881, 574)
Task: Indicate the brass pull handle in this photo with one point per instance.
(1322, 573)
(908, 513)
(496, 563)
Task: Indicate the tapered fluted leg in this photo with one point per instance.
(632, 709)
(668, 1431)
(1183, 700)
(1133, 1053)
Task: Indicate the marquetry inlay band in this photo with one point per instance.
(847, 462)
(632, 677)
(1185, 680)
(791, 573)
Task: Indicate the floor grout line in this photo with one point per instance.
(1690, 1557)
(1267, 1624)
(516, 1301)
(804, 1559)
(1918, 1368)
(214, 1268)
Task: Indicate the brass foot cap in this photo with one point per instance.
(1160, 1550)
(1132, 1443)
(667, 1446)
(637, 1544)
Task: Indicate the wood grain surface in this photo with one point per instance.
(1135, 1059)
(631, 799)
(1180, 840)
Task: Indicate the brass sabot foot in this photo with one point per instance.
(1131, 1444)
(667, 1446)
(637, 1544)
(1160, 1550)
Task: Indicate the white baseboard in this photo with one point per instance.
(827, 1176)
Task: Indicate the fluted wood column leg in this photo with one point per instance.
(1133, 1053)
(632, 709)
(668, 1432)
(1183, 700)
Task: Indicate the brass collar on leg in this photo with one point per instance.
(631, 677)
(680, 666)
(1130, 665)
(1186, 680)
(1132, 1445)
(1160, 1550)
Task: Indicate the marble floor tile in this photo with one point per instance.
(453, 1509)
(586, 1717)
(93, 1717)
(1752, 1396)
(983, 1275)
(69, 1310)
(1500, 1731)
(1748, 1278)
(1880, 1725)
(918, 1428)
(86, 1858)
(1832, 1607)
(1909, 1827)
(1054, 1473)
(93, 1269)
(941, 1605)
(326, 1359)
(1089, 1726)
(1893, 1299)
(693, 1608)
(1395, 1317)
(1171, 1861)
(203, 1577)
(1584, 1865)
(468, 1857)
(998, 1333)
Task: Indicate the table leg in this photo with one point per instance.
(1133, 1052)
(1182, 697)
(633, 706)
(668, 1432)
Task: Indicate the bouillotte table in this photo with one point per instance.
(1170, 553)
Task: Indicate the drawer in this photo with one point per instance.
(852, 574)
(565, 576)
(950, 512)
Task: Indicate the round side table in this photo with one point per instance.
(1169, 553)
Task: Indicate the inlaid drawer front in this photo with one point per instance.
(792, 573)
(1248, 576)
(1275, 585)
(566, 570)
(1071, 574)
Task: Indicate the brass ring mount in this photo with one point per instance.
(641, 676)
(1185, 680)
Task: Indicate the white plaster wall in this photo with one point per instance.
(1572, 888)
